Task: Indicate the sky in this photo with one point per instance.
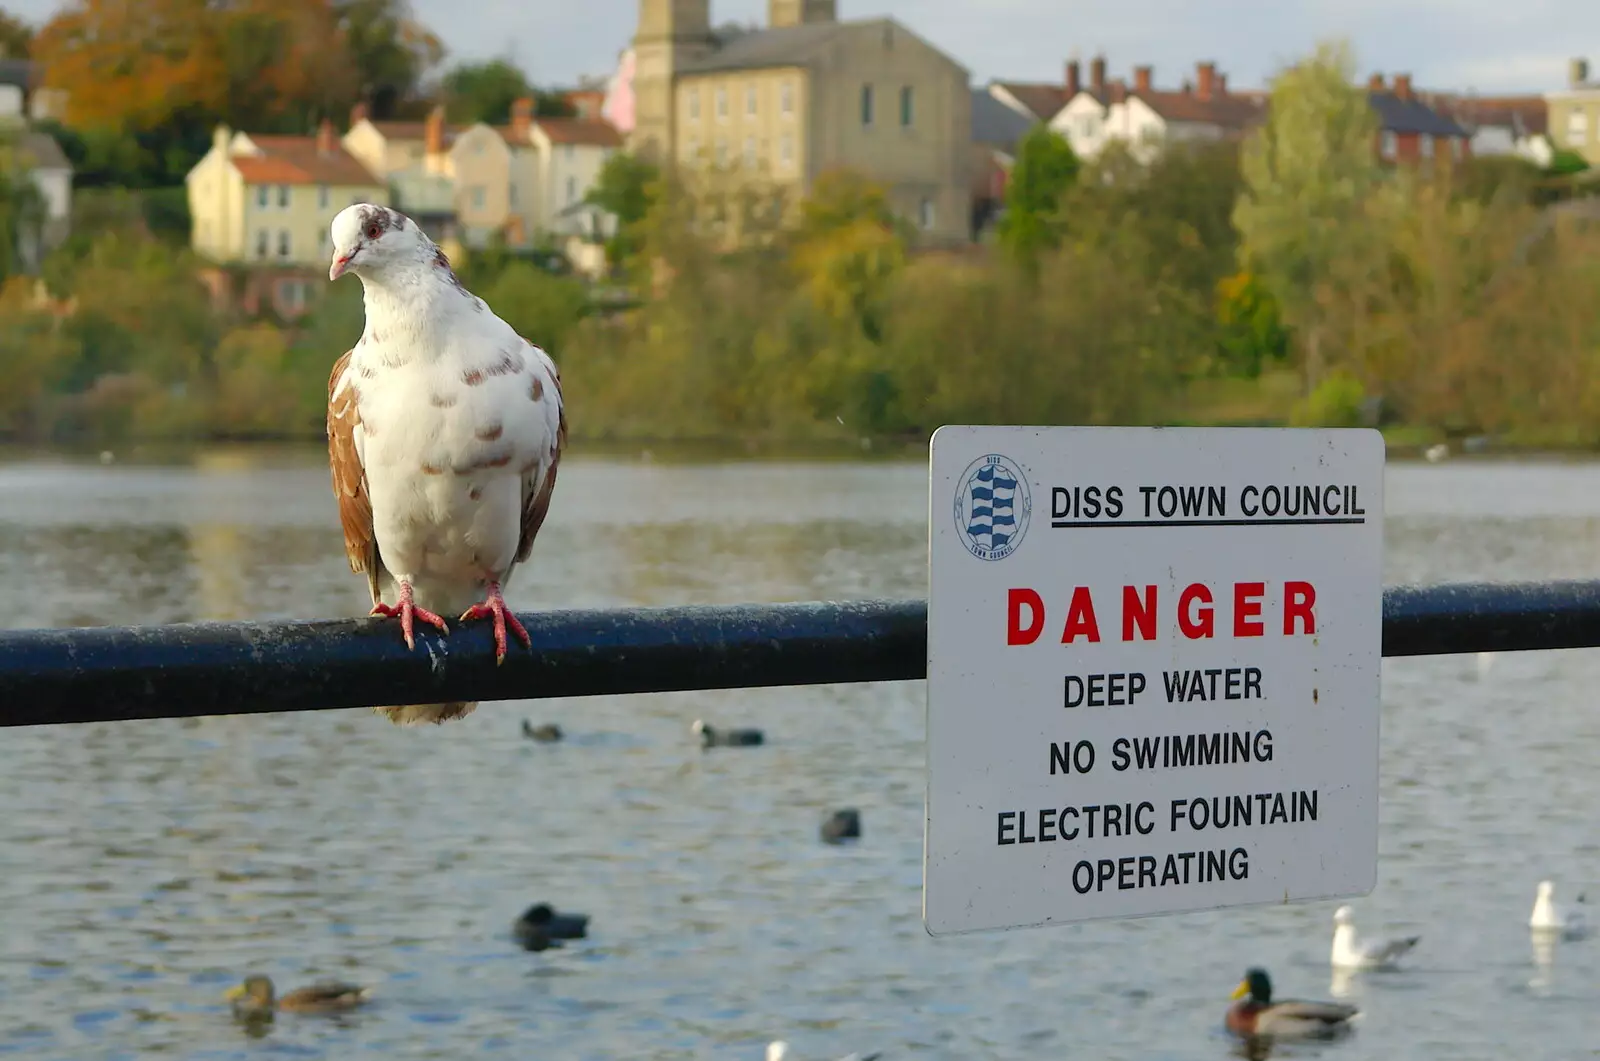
(1488, 46)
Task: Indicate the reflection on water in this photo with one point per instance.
(145, 867)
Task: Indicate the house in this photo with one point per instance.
(806, 95)
(39, 156)
(1146, 118)
(266, 202)
(23, 99)
(1574, 120)
(1515, 126)
(996, 131)
(1409, 129)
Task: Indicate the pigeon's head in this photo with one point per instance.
(369, 240)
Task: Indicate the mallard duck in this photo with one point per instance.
(726, 738)
(547, 733)
(255, 998)
(1375, 953)
(1255, 1015)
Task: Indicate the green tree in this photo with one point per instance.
(1309, 173)
(16, 36)
(1044, 170)
(484, 92)
(1251, 332)
(627, 187)
(542, 308)
(390, 50)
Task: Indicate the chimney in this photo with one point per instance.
(1074, 81)
(1119, 91)
(359, 114)
(433, 132)
(220, 137)
(1375, 83)
(1205, 79)
(1097, 74)
(1141, 78)
(1222, 84)
(1402, 85)
(1578, 72)
(522, 117)
(327, 140)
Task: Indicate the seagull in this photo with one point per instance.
(1352, 953)
(778, 1050)
(1549, 919)
(445, 428)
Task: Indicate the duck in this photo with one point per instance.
(540, 927)
(726, 738)
(842, 825)
(1376, 953)
(778, 1050)
(255, 998)
(1255, 1016)
(1551, 920)
(547, 733)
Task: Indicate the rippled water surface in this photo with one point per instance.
(144, 867)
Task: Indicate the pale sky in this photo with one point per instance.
(1486, 45)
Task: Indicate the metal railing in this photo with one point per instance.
(104, 674)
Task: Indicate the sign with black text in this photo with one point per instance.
(1153, 670)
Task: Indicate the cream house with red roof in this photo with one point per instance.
(1146, 118)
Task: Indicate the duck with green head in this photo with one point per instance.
(1254, 1014)
(256, 999)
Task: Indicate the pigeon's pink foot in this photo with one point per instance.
(409, 613)
(495, 606)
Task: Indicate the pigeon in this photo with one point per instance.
(1352, 953)
(445, 429)
(726, 738)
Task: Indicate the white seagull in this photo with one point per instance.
(1352, 953)
(778, 1050)
(1548, 918)
(445, 428)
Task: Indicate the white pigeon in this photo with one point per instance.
(1549, 919)
(1352, 953)
(778, 1050)
(445, 428)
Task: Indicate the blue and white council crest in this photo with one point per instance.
(992, 507)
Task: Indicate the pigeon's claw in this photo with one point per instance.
(494, 606)
(409, 613)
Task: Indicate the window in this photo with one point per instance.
(694, 104)
(692, 149)
(786, 149)
(722, 152)
(262, 239)
(567, 152)
(749, 152)
(1387, 145)
(722, 104)
(572, 190)
(786, 98)
(866, 104)
(1425, 146)
(478, 196)
(925, 213)
(262, 194)
(750, 101)
(1577, 127)
(511, 195)
(322, 197)
(283, 196)
(1087, 126)
(907, 111)
(283, 243)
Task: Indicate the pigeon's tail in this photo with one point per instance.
(417, 714)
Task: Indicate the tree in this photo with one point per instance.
(389, 50)
(627, 187)
(16, 37)
(484, 92)
(1251, 332)
(1309, 173)
(1045, 168)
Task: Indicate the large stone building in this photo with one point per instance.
(806, 95)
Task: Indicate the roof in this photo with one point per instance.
(994, 123)
(594, 132)
(18, 72)
(1525, 115)
(296, 160)
(1043, 99)
(783, 46)
(1227, 111)
(1411, 115)
(44, 152)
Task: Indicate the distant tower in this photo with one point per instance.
(670, 33)
(795, 12)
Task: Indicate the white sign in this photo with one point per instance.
(1153, 667)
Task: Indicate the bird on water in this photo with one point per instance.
(445, 430)
(1254, 1015)
(726, 738)
(1351, 952)
(255, 998)
(546, 733)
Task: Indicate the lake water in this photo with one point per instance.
(145, 867)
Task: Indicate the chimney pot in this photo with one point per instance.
(1205, 79)
(1402, 85)
(1578, 72)
(522, 116)
(359, 114)
(1141, 78)
(1375, 83)
(1074, 83)
(1097, 73)
(1119, 91)
(327, 140)
(1222, 84)
(433, 132)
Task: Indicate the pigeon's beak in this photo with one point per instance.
(340, 264)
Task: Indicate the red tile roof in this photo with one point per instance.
(296, 160)
(1230, 111)
(1044, 100)
(1527, 114)
(595, 132)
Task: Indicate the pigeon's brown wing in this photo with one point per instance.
(349, 477)
(545, 392)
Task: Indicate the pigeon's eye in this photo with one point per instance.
(373, 231)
